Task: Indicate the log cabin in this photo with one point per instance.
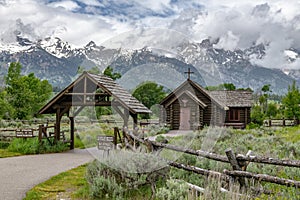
(191, 107)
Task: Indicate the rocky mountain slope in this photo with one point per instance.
(58, 62)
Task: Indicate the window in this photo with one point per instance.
(234, 115)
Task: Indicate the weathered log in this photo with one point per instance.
(240, 158)
(271, 161)
(200, 153)
(217, 157)
(231, 157)
(235, 166)
(198, 170)
(264, 177)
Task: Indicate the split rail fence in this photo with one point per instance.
(280, 122)
(238, 162)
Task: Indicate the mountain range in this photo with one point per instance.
(58, 62)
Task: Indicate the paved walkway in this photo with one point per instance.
(20, 174)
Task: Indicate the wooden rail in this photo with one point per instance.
(280, 122)
(18, 133)
(238, 162)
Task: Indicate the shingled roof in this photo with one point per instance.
(176, 93)
(236, 98)
(106, 84)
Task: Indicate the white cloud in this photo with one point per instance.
(238, 24)
(157, 5)
(68, 5)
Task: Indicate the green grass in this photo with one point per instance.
(4, 153)
(67, 185)
(277, 143)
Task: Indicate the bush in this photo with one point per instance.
(252, 125)
(4, 145)
(32, 146)
(119, 178)
(174, 190)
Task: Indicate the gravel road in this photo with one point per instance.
(19, 174)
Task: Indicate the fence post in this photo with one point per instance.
(235, 166)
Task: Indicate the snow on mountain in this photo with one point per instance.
(13, 47)
(58, 61)
(56, 47)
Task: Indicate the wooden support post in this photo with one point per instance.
(235, 166)
(126, 117)
(40, 132)
(116, 136)
(57, 126)
(72, 132)
(135, 120)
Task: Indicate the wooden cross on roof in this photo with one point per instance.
(189, 72)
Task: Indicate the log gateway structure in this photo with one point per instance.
(92, 90)
(191, 107)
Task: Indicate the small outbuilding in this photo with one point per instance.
(92, 90)
(191, 107)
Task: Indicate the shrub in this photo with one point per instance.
(175, 189)
(32, 146)
(118, 177)
(4, 145)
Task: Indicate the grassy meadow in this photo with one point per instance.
(277, 142)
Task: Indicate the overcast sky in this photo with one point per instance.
(238, 24)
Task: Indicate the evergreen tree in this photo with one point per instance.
(109, 72)
(291, 102)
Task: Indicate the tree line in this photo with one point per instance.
(23, 95)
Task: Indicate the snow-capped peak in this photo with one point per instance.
(291, 54)
(56, 47)
(13, 47)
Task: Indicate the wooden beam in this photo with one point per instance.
(78, 111)
(64, 111)
(80, 103)
(72, 132)
(88, 94)
(84, 90)
(135, 120)
(124, 115)
(57, 125)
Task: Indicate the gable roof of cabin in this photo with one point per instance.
(190, 95)
(236, 98)
(176, 92)
(106, 84)
(224, 99)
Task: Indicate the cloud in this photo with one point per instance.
(237, 24)
(46, 20)
(91, 2)
(240, 25)
(68, 5)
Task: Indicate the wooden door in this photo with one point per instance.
(185, 115)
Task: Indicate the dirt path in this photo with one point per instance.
(19, 174)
